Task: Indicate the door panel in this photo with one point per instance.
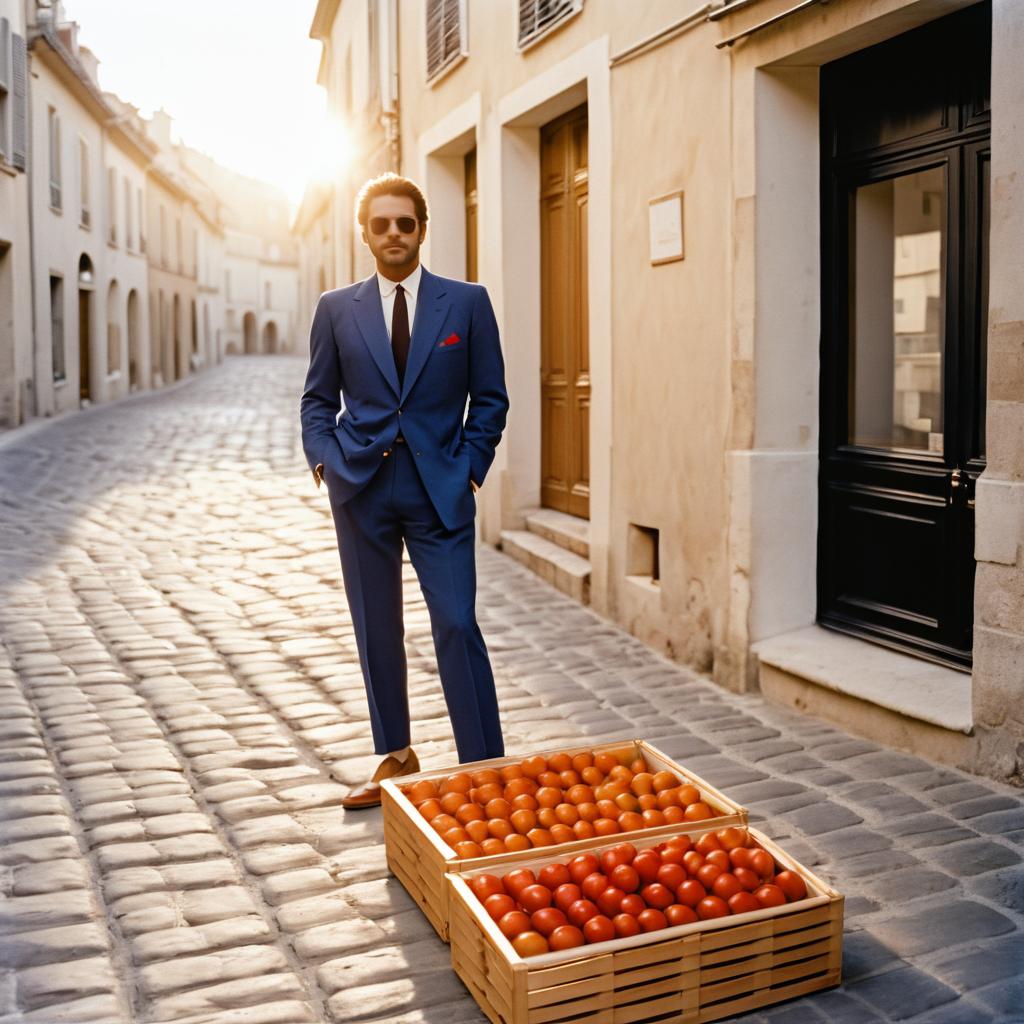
(904, 289)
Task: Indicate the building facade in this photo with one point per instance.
(753, 267)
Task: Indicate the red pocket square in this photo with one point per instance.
(452, 339)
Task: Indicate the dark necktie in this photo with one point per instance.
(400, 332)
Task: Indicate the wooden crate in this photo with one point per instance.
(419, 858)
(690, 973)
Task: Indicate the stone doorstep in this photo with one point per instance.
(569, 532)
(564, 570)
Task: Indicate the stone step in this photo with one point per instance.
(562, 569)
(569, 532)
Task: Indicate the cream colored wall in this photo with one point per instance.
(60, 241)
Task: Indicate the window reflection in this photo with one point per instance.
(898, 256)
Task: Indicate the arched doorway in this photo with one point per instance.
(207, 346)
(113, 328)
(249, 332)
(269, 337)
(134, 346)
(195, 335)
(177, 367)
(86, 283)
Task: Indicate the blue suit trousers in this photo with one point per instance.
(393, 507)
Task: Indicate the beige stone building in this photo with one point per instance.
(755, 265)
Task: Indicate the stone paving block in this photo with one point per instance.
(922, 931)
(280, 1011)
(903, 993)
(52, 945)
(51, 876)
(908, 884)
(1005, 887)
(40, 827)
(1005, 997)
(389, 998)
(99, 1009)
(283, 857)
(383, 964)
(278, 828)
(289, 885)
(160, 851)
(60, 983)
(973, 857)
(256, 991)
(976, 968)
(338, 938)
(970, 809)
(313, 911)
(823, 817)
(212, 968)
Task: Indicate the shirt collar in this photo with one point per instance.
(411, 283)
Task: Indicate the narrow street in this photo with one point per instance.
(183, 708)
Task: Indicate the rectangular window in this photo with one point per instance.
(129, 224)
(55, 187)
(112, 205)
(163, 235)
(446, 35)
(142, 223)
(57, 327)
(178, 246)
(83, 178)
(538, 17)
(5, 88)
(266, 295)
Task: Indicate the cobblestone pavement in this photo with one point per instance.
(182, 703)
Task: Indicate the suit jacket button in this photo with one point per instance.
(385, 454)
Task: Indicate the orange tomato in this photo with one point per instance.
(664, 780)
(510, 772)
(592, 775)
(546, 817)
(559, 762)
(523, 820)
(642, 783)
(458, 783)
(653, 818)
(568, 814)
(579, 794)
(470, 812)
(606, 827)
(491, 846)
(516, 787)
(687, 795)
(698, 812)
(515, 843)
(605, 762)
(540, 837)
(731, 837)
(442, 822)
(429, 809)
(549, 778)
(422, 790)
(548, 796)
(674, 815)
(499, 808)
(524, 802)
(630, 821)
(488, 791)
(584, 829)
(464, 851)
(533, 766)
(648, 802)
(620, 771)
(451, 802)
(562, 833)
(478, 830)
(485, 776)
(627, 802)
(605, 809)
(499, 828)
(454, 836)
(668, 798)
(582, 761)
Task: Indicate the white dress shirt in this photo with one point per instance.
(410, 286)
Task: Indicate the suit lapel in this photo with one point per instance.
(431, 310)
(369, 314)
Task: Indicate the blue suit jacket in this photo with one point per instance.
(351, 362)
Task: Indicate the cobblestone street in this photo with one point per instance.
(183, 708)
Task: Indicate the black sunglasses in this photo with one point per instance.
(380, 225)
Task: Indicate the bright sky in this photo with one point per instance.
(237, 76)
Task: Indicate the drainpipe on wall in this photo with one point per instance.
(389, 88)
(30, 33)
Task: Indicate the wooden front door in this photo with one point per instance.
(565, 355)
(84, 343)
(905, 182)
(469, 177)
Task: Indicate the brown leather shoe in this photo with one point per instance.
(389, 768)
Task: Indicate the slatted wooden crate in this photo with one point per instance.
(419, 858)
(687, 974)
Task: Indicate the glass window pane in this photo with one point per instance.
(897, 312)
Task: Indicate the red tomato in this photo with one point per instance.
(791, 884)
(610, 900)
(513, 924)
(691, 892)
(646, 864)
(547, 919)
(677, 913)
(621, 854)
(534, 897)
(680, 843)
(566, 895)
(530, 944)
(594, 884)
(517, 880)
(673, 855)
(740, 857)
(657, 895)
(707, 843)
(743, 903)
(719, 857)
(625, 877)
(712, 906)
(581, 912)
(726, 885)
(632, 904)
(693, 861)
(763, 863)
(486, 885)
(732, 837)
(770, 896)
(498, 905)
(748, 879)
(707, 875)
(566, 936)
(652, 919)
(672, 875)
(599, 929)
(553, 875)
(583, 865)
(626, 925)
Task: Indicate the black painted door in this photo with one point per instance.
(905, 169)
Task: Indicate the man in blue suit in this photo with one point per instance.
(401, 465)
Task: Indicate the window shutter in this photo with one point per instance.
(5, 51)
(19, 119)
(537, 16)
(444, 34)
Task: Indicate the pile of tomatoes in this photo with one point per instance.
(545, 801)
(623, 892)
